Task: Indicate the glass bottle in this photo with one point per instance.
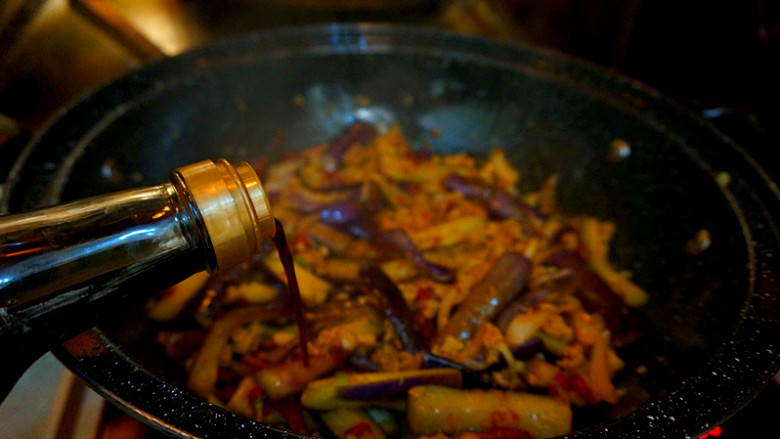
(60, 265)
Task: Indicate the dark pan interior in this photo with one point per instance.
(712, 316)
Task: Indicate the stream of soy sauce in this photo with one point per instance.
(285, 254)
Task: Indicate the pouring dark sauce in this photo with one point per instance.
(285, 254)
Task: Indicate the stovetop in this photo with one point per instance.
(715, 58)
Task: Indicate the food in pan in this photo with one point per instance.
(439, 301)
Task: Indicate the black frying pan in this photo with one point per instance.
(712, 318)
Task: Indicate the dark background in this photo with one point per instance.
(707, 55)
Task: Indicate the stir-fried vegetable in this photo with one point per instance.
(349, 390)
(505, 280)
(439, 301)
(436, 409)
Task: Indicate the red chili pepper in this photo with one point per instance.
(559, 386)
(255, 362)
(425, 326)
(300, 242)
(578, 384)
(292, 411)
(255, 393)
(358, 430)
(425, 293)
(414, 189)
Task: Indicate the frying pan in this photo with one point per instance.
(712, 320)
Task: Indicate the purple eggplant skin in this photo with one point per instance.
(470, 379)
(523, 303)
(499, 203)
(400, 240)
(597, 297)
(505, 206)
(359, 133)
(350, 216)
(501, 285)
(395, 386)
(375, 389)
(364, 364)
(469, 188)
(376, 284)
(527, 350)
(433, 361)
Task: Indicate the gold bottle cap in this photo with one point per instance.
(234, 208)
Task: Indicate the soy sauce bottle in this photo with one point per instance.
(59, 266)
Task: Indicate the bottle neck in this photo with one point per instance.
(206, 217)
(76, 253)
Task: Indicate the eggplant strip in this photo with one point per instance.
(205, 367)
(378, 285)
(359, 133)
(400, 240)
(500, 203)
(351, 390)
(500, 286)
(597, 297)
(437, 409)
(350, 216)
